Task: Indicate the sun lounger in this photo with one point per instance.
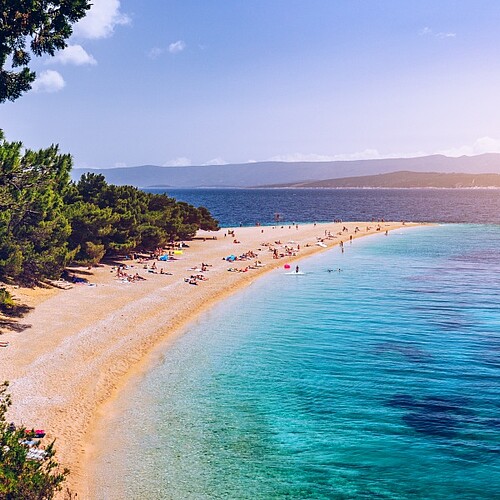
(62, 284)
(30, 442)
(36, 454)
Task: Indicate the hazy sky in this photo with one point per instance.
(212, 81)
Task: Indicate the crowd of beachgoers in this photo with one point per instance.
(160, 261)
(122, 318)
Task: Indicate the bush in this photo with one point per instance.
(95, 252)
(6, 301)
(22, 478)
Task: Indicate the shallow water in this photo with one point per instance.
(381, 380)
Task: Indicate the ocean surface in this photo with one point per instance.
(378, 381)
(233, 207)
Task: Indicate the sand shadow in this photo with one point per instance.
(12, 326)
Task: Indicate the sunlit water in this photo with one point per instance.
(381, 380)
(247, 206)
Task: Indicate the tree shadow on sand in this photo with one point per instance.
(12, 326)
(9, 318)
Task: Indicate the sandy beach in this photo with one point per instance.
(83, 344)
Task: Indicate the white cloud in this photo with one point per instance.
(480, 146)
(101, 20)
(179, 162)
(49, 81)
(73, 54)
(176, 47)
(155, 52)
(292, 157)
(216, 161)
(367, 154)
(426, 31)
(446, 35)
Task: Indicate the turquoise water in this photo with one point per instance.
(381, 380)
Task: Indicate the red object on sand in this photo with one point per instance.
(287, 266)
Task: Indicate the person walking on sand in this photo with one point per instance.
(296, 269)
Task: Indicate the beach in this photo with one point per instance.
(85, 343)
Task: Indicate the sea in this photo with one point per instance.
(234, 207)
(374, 375)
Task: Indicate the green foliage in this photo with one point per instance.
(94, 252)
(32, 27)
(20, 477)
(46, 221)
(6, 301)
(123, 218)
(33, 226)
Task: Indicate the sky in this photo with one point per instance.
(195, 82)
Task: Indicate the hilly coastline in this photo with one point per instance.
(282, 173)
(405, 179)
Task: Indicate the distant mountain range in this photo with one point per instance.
(404, 180)
(282, 173)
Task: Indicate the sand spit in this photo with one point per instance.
(85, 342)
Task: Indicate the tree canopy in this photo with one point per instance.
(22, 478)
(32, 27)
(47, 221)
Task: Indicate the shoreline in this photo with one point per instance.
(103, 337)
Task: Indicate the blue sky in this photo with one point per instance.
(196, 82)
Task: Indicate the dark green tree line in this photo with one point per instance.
(46, 221)
(34, 228)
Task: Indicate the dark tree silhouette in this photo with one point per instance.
(32, 27)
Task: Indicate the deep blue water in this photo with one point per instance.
(378, 381)
(247, 206)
